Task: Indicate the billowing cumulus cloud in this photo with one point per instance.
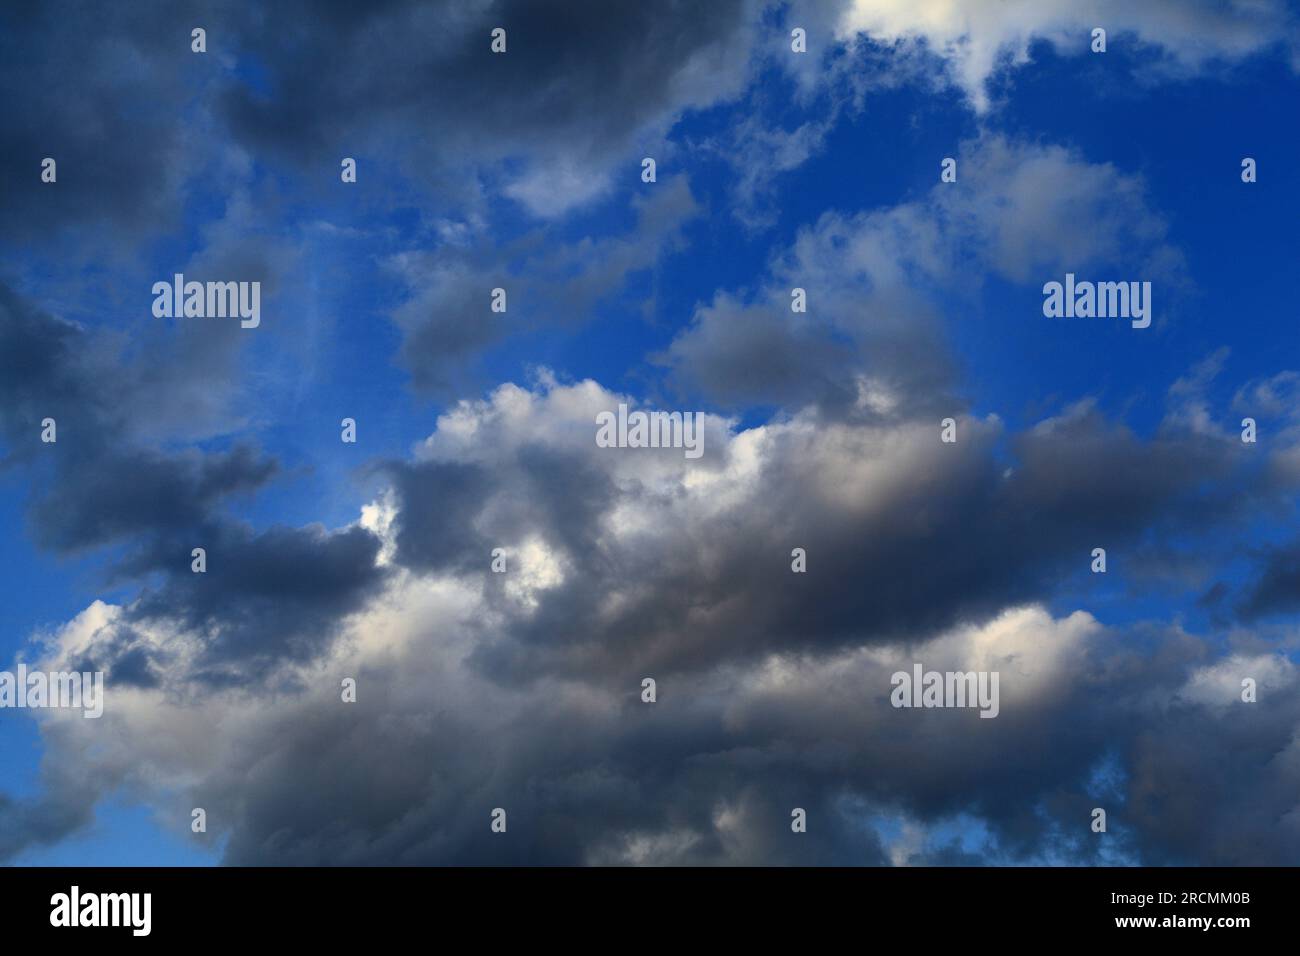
(820, 434)
(521, 690)
(712, 771)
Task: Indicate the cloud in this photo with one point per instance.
(103, 478)
(878, 282)
(105, 485)
(551, 283)
(709, 773)
(521, 690)
(1275, 588)
(69, 82)
(265, 597)
(1277, 396)
(976, 41)
(581, 92)
(576, 91)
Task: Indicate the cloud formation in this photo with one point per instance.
(522, 690)
(975, 41)
(878, 282)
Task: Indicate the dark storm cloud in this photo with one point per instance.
(575, 789)
(1275, 588)
(105, 494)
(578, 81)
(1217, 787)
(452, 515)
(100, 89)
(430, 799)
(131, 115)
(97, 484)
(440, 502)
(711, 773)
(944, 533)
(536, 709)
(265, 596)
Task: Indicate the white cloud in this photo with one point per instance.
(976, 39)
(1218, 686)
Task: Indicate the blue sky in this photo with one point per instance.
(773, 168)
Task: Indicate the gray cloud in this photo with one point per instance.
(878, 282)
(520, 690)
(710, 773)
(266, 595)
(76, 79)
(550, 283)
(101, 484)
(577, 87)
(1276, 587)
(909, 535)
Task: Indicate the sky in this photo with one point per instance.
(522, 690)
